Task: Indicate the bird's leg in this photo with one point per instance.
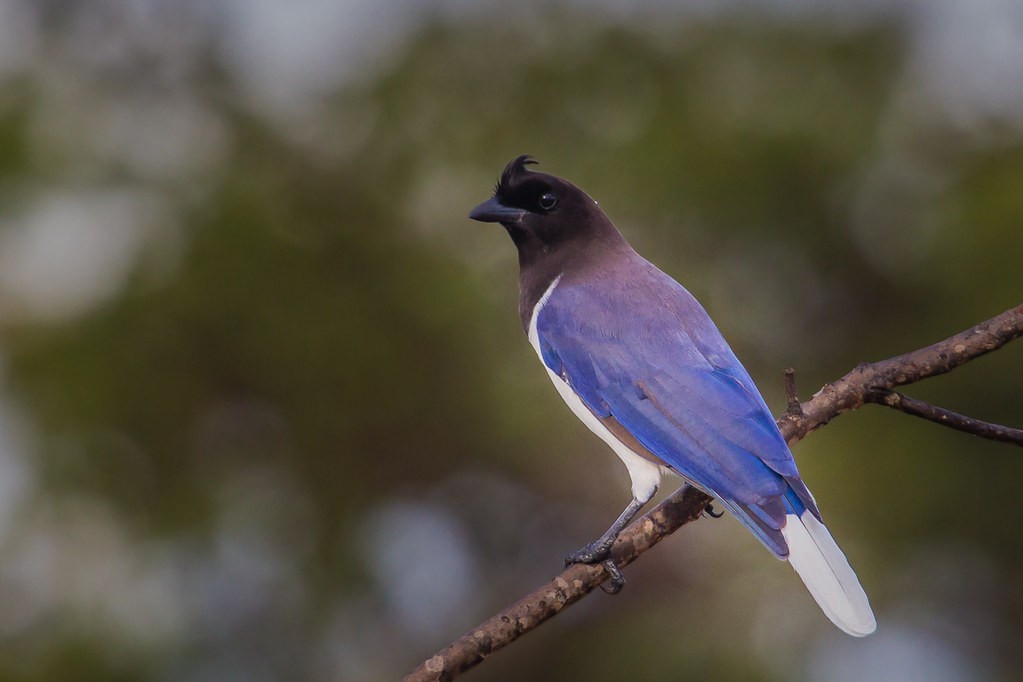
(599, 551)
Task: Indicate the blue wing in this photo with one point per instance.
(646, 354)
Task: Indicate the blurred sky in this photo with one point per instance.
(132, 116)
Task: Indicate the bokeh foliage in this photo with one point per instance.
(332, 323)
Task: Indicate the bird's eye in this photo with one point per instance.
(547, 201)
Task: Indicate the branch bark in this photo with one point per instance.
(953, 420)
(867, 383)
(876, 378)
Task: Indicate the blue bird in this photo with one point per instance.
(640, 362)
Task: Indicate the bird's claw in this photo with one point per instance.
(598, 554)
(616, 581)
(709, 511)
(590, 554)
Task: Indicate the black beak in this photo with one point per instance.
(493, 211)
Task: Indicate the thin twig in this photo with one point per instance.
(790, 390)
(848, 393)
(953, 420)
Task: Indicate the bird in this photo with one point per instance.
(640, 362)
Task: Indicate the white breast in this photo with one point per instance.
(645, 474)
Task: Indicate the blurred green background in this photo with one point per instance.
(266, 411)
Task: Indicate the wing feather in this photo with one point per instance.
(673, 383)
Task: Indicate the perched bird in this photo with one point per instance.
(640, 362)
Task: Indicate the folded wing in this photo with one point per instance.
(671, 381)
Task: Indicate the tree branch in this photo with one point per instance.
(574, 583)
(953, 420)
(867, 383)
(856, 388)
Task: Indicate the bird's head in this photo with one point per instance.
(543, 213)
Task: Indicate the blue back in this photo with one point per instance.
(637, 347)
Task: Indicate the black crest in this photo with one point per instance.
(511, 173)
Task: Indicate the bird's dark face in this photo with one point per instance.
(542, 213)
(558, 229)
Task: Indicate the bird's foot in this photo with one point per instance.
(596, 553)
(709, 511)
(592, 553)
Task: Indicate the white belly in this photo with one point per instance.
(645, 474)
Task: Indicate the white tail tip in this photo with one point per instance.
(827, 574)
